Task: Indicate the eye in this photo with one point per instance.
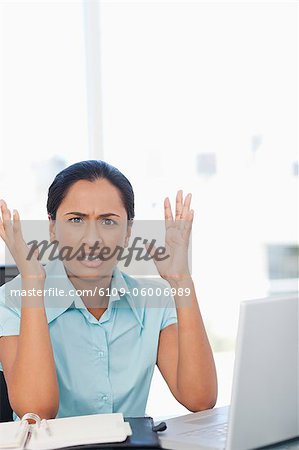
(75, 219)
(108, 222)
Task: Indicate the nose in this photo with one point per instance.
(92, 234)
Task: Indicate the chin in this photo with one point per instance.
(78, 270)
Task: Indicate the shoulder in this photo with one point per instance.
(10, 293)
(154, 297)
(152, 289)
(11, 298)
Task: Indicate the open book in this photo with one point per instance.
(64, 432)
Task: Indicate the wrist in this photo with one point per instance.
(32, 281)
(181, 281)
(29, 277)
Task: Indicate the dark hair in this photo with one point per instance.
(91, 170)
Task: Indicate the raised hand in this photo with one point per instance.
(177, 233)
(11, 233)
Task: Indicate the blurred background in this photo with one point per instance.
(199, 96)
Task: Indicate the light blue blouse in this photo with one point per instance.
(103, 365)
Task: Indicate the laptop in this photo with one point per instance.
(265, 394)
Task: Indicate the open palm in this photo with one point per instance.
(177, 233)
(11, 234)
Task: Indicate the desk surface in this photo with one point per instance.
(291, 444)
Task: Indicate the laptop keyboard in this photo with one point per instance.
(217, 430)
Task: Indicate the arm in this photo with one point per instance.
(27, 359)
(31, 376)
(185, 358)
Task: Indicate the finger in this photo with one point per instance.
(168, 213)
(178, 204)
(186, 206)
(6, 215)
(16, 226)
(185, 210)
(188, 224)
(5, 211)
(2, 230)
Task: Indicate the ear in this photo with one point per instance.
(129, 230)
(51, 228)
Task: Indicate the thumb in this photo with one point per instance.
(36, 251)
(150, 249)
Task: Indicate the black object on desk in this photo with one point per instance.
(144, 436)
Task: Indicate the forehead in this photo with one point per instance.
(92, 196)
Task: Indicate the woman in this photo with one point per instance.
(71, 354)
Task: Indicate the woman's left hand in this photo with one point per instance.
(175, 268)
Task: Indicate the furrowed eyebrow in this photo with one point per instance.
(77, 213)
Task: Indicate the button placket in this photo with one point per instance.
(104, 393)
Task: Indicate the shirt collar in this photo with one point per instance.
(56, 272)
(119, 281)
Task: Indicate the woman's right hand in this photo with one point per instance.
(11, 233)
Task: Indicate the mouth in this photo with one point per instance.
(91, 261)
(90, 257)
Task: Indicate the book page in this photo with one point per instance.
(90, 429)
(13, 435)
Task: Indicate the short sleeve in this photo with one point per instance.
(169, 313)
(9, 319)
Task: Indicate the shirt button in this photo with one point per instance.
(101, 354)
(105, 398)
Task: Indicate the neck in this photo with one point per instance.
(97, 290)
